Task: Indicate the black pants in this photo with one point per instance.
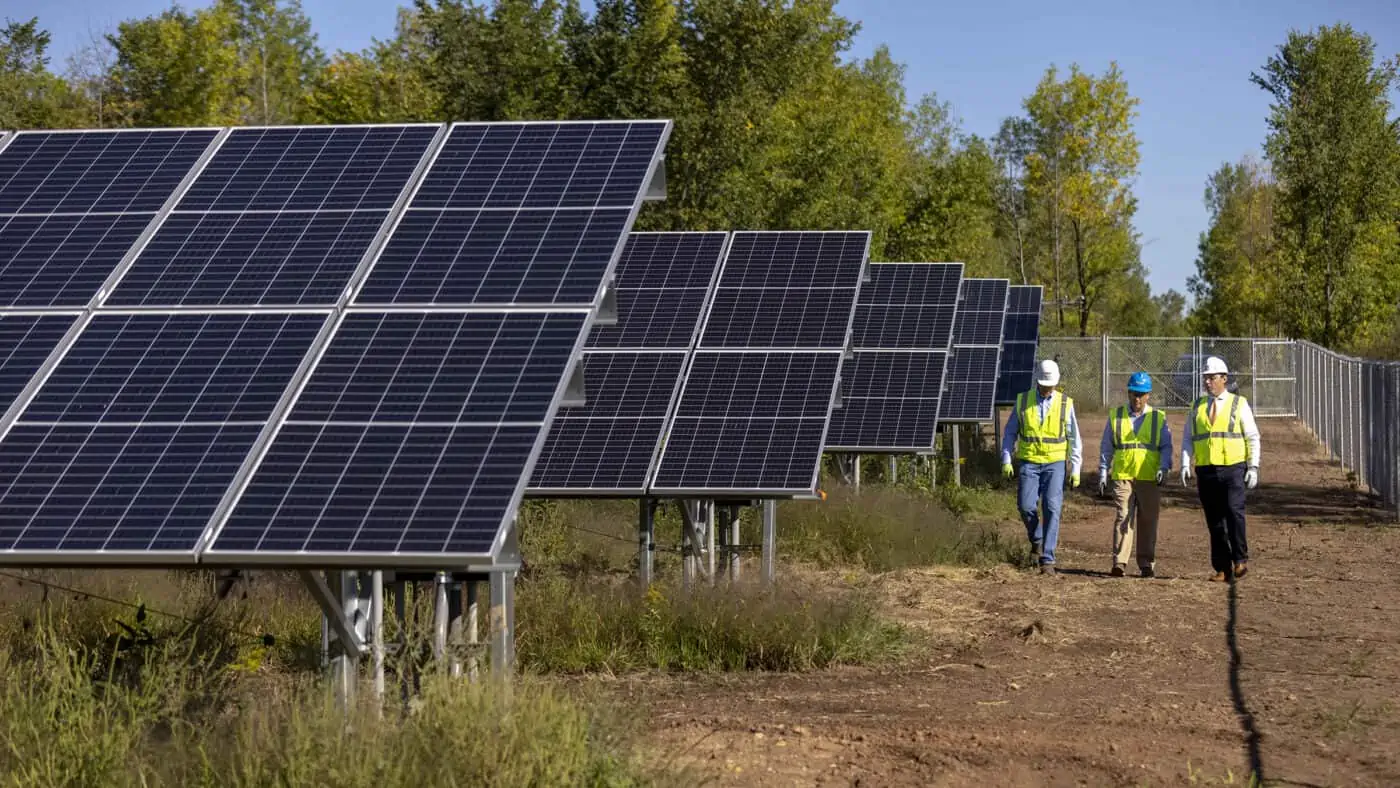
(1221, 488)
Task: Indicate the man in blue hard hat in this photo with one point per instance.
(1135, 454)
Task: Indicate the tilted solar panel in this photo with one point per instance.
(26, 340)
(279, 216)
(758, 396)
(73, 204)
(1021, 338)
(894, 382)
(632, 370)
(414, 437)
(127, 447)
(971, 380)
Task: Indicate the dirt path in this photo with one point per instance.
(1086, 679)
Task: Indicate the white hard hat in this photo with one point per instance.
(1215, 366)
(1048, 373)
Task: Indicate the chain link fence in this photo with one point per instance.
(1095, 370)
(1351, 405)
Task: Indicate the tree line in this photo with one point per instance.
(1306, 241)
(776, 126)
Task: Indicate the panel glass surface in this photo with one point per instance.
(25, 344)
(1020, 339)
(662, 282)
(62, 260)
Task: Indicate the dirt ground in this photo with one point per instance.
(1082, 679)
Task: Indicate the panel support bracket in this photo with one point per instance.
(575, 393)
(656, 188)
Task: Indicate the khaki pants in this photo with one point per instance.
(1145, 522)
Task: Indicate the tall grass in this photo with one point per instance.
(176, 711)
(571, 626)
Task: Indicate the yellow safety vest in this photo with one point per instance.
(1043, 443)
(1220, 442)
(1136, 454)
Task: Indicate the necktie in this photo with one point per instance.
(1211, 414)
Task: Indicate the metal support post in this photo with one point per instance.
(472, 623)
(711, 521)
(689, 543)
(440, 619)
(376, 625)
(957, 457)
(455, 624)
(646, 541)
(770, 541)
(735, 559)
(894, 470)
(857, 474)
(502, 623)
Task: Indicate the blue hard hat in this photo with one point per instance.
(1140, 383)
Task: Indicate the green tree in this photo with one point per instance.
(279, 56)
(179, 69)
(384, 84)
(1236, 284)
(505, 62)
(1085, 158)
(30, 95)
(1334, 150)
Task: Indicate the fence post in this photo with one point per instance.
(1103, 371)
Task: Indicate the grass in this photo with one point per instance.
(95, 695)
(571, 626)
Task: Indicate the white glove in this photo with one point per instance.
(1160, 476)
(1103, 484)
(1185, 475)
(1251, 478)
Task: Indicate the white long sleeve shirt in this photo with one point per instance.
(1247, 423)
(1013, 428)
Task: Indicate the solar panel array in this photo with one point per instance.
(633, 370)
(971, 379)
(1020, 340)
(757, 399)
(894, 382)
(221, 399)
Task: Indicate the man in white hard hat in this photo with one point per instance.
(1222, 439)
(1043, 432)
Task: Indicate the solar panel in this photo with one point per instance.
(971, 380)
(1021, 338)
(894, 382)
(129, 444)
(787, 290)
(73, 204)
(753, 413)
(25, 344)
(517, 214)
(632, 370)
(279, 216)
(417, 430)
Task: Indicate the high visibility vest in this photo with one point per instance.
(1219, 442)
(1137, 454)
(1042, 443)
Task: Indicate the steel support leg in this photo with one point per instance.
(735, 557)
(770, 541)
(502, 623)
(957, 458)
(646, 541)
(376, 625)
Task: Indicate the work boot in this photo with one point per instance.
(1241, 570)
(1036, 548)
(1147, 571)
(1117, 571)
(1047, 569)
(1218, 577)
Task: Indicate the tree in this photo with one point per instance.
(31, 96)
(279, 56)
(179, 69)
(1080, 171)
(1238, 271)
(386, 83)
(1336, 154)
(1013, 146)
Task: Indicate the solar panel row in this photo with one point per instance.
(971, 380)
(1019, 343)
(903, 329)
(258, 433)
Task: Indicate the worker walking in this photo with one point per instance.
(1223, 440)
(1043, 432)
(1135, 454)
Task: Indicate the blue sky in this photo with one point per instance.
(1187, 61)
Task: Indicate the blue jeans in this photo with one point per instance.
(1042, 485)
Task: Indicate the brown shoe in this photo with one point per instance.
(1117, 571)
(1047, 569)
(1218, 577)
(1241, 569)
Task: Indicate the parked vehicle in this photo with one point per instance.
(1185, 381)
